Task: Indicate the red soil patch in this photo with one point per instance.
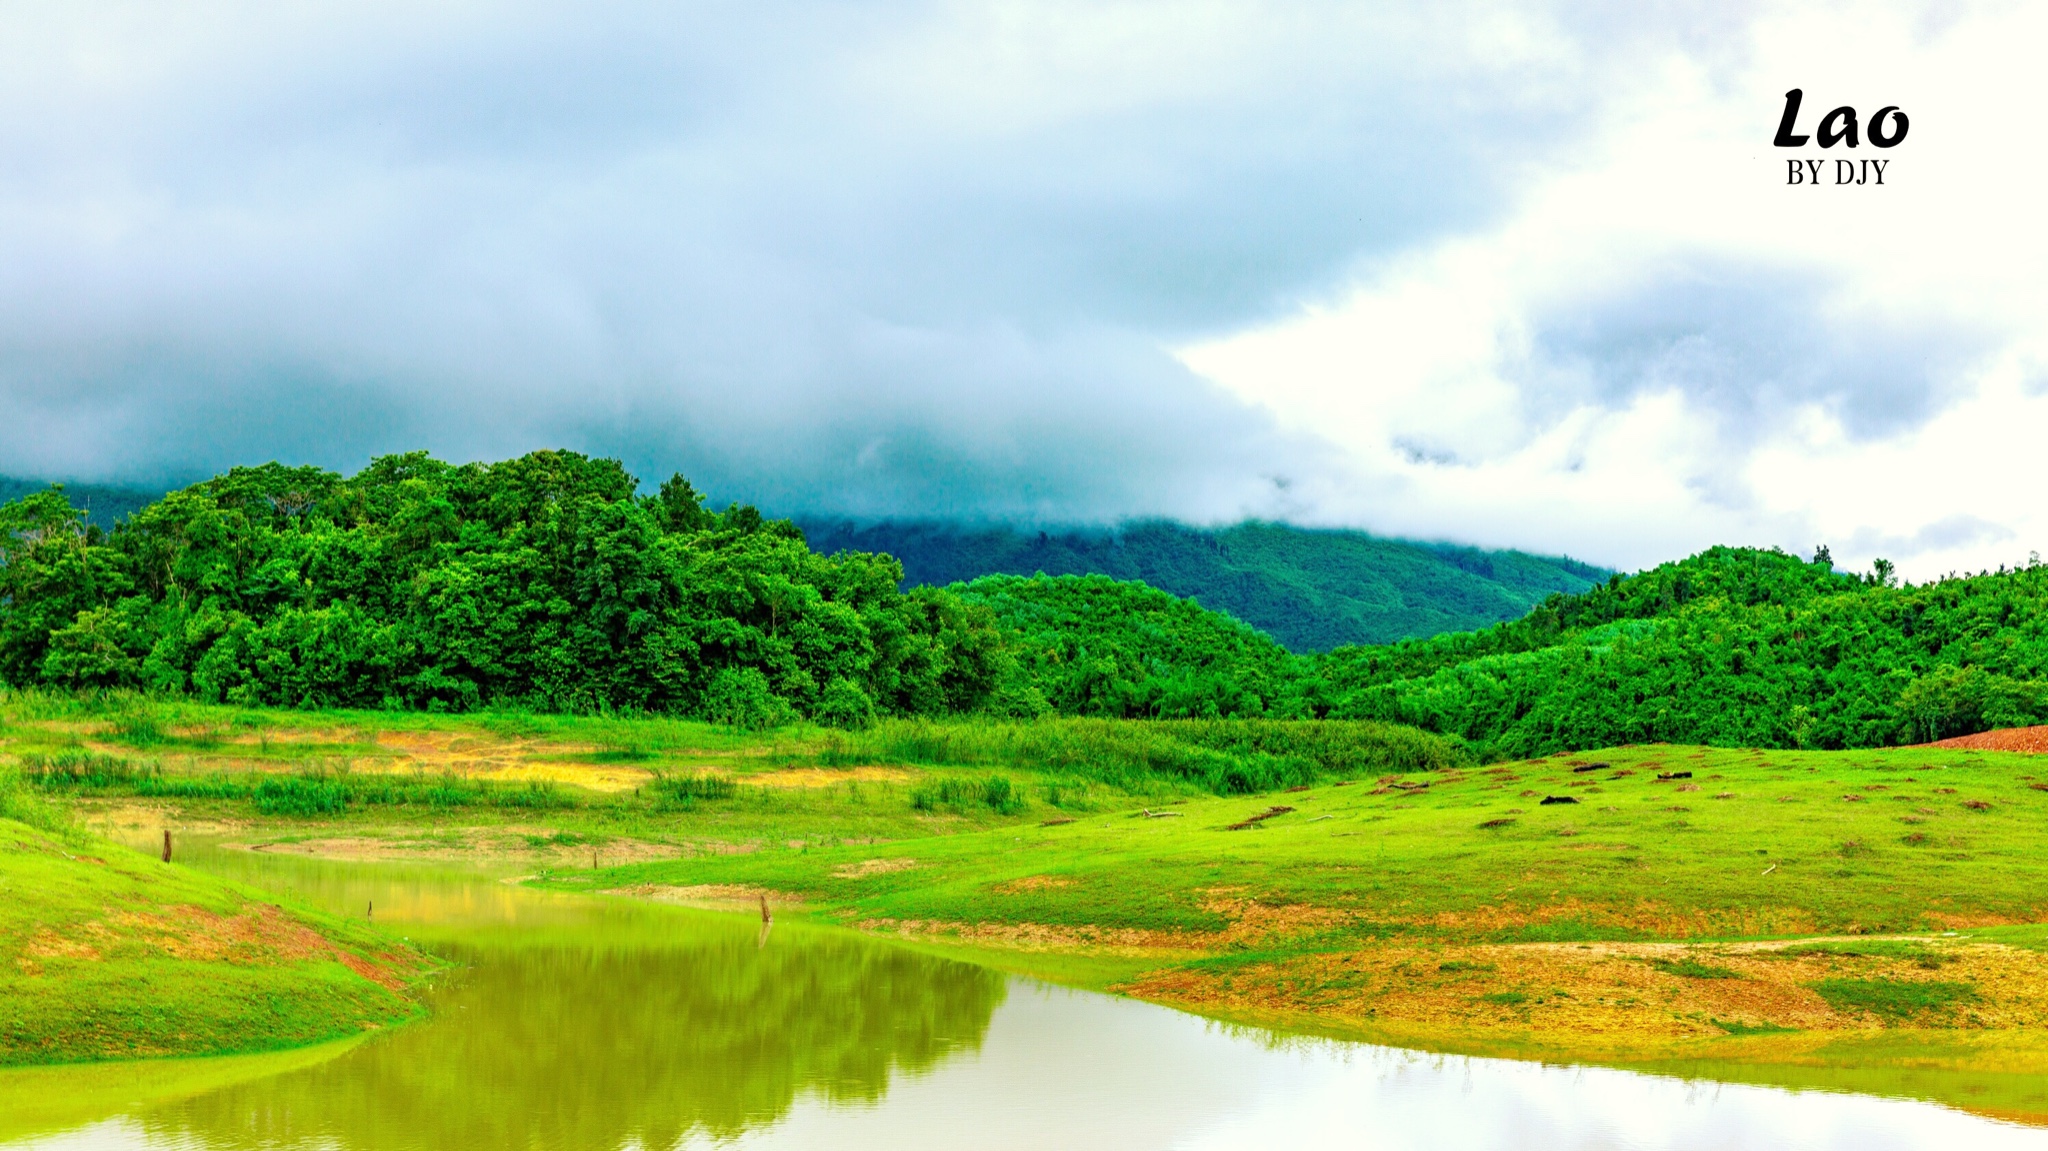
(2031, 739)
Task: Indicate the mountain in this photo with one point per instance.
(1311, 589)
(102, 503)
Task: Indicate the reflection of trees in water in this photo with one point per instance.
(582, 1047)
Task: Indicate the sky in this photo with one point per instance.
(1511, 275)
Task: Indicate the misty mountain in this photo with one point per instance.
(1311, 589)
(103, 503)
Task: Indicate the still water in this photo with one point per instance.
(579, 1023)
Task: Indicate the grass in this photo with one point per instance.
(1415, 863)
(673, 782)
(1104, 853)
(1895, 1000)
(108, 954)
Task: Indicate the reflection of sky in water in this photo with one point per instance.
(604, 1024)
(1071, 1070)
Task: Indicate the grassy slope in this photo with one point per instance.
(896, 780)
(108, 954)
(1635, 858)
(1310, 589)
(1621, 929)
(1370, 910)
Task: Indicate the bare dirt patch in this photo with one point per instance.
(1128, 941)
(1032, 883)
(1647, 917)
(257, 934)
(2030, 739)
(1249, 921)
(867, 867)
(714, 896)
(526, 844)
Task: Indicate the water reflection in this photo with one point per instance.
(580, 1023)
(601, 1024)
(567, 1046)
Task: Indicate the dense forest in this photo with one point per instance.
(1735, 647)
(546, 581)
(552, 582)
(1311, 589)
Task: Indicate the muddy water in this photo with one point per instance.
(579, 1023)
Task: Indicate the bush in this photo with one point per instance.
(740, 697)
(963, 792)
(301, 796)
(685, 789)
(845, 705)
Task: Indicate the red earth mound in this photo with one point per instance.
(2006, 739)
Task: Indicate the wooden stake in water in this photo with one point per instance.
(167, 845)
(765, 917)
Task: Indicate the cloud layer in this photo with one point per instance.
(1505, 275)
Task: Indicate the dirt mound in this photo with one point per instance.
(2034, 739)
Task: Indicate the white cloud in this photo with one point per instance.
(1662, 346)
(1512, 275)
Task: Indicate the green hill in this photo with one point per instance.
(1730, 647)
(1311, 589)
(1091, 645)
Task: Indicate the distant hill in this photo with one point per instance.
(1311, 589)
(103, 503)
(1733, 647)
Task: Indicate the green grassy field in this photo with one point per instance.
(1346, 879)
(1752, 844)
(1751, 900)
(563, 785)
(108, 954)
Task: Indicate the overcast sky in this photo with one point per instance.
(1527, 277)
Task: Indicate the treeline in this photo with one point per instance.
(549, 582)
(1734, 647)
(545, 582)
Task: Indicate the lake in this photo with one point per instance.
(592, 1023)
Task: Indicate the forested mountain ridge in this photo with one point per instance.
(103, 504)
(1734, 647)
(1311, 589)
(550, 582)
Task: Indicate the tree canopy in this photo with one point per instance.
(1734, 647)
(545, 581)
(551, 582)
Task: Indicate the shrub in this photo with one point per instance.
(684, 789)
(845, 705)
(301, 796)
(961, 792)
(740, 697)
(1894, 1000)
